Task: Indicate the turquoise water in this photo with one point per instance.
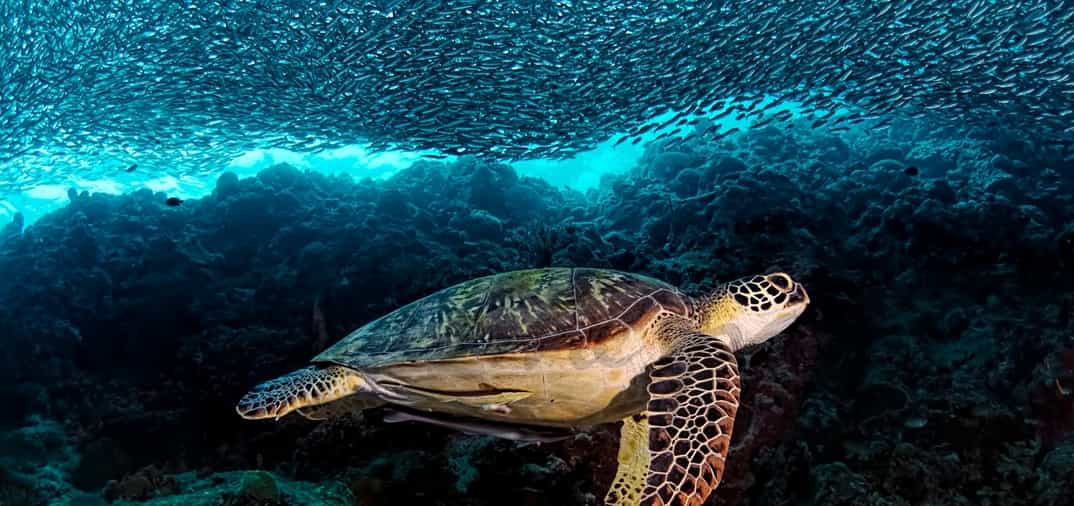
(108, 174)
(863, 209)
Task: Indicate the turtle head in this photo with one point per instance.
(750, 310)
(308, 387)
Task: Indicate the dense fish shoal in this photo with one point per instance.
(145, 80)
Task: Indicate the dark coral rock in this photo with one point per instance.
(147, 483)
(1051, 396)
(832, 149)
(887, 174)
(282, 177)
(394, 204)
(260, 487)
(894, 153)
(546, 243)
(954, 323)
(478, 225)
(726, 165)
(34, 446)
(686, 183)
(836, 484)
(941, 191)
(17, 489)
(1007, 187)
(1055, 488)
(488, 183)
(879, 399)
(936, 160)
(1064, 247)
(101, 461)
(226, 186)
(13, 229)
(668, 164)
(770, 142)
(940, 320)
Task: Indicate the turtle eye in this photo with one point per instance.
(781, 280)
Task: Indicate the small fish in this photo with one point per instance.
(725, 134)
(915, 422)
(911, 171)
(455, 87)
(132, 167)
(174, 202)
(726, 112)
(644, 129)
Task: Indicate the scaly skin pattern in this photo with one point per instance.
(752, 309)
(305, 387)
(693, 398)
(674, 453)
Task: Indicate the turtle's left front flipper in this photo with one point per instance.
(693, 398)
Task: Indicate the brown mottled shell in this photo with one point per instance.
(514, 312)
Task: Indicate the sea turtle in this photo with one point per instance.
(533, 354)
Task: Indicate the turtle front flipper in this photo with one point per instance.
(303, 388)
(693, 398)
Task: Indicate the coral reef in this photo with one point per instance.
(36, 463)
(935, 365)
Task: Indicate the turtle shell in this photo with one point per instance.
(514, 312)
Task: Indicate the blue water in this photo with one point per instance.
(108, 175)
(199, 197)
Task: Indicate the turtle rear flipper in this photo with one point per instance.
(303, 388)
(629, 480)
(346, 406)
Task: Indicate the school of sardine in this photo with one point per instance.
(195, 82)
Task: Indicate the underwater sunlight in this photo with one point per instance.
(562, 253)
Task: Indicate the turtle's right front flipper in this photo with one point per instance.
(303, 388)
(693, 399)
(675, 453)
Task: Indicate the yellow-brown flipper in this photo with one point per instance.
(693, 399)
(303, 388)
(629, 480)
(342, 407)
